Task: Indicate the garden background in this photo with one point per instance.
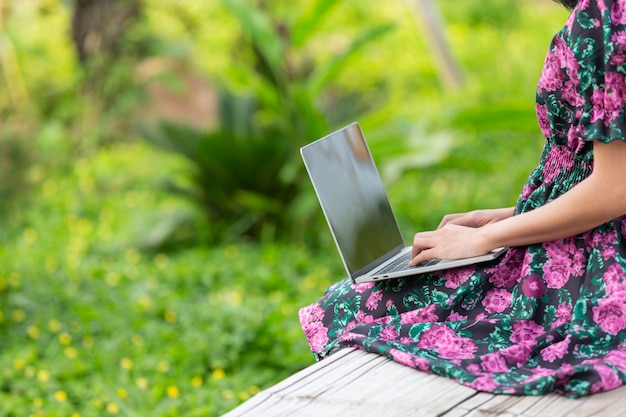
(157, 231)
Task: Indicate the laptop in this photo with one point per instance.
(357, 209)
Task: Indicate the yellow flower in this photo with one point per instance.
(38, 402)
(170, 316)
(142, 383)
(113, 408)
(43, 376)
(218, 374)
(29, 371)
(161, 261)
(126, 363)
(54, 326)
(196, 381)
(254, 390)
(18, 364)
(133, 256)
(173, 391)
(60, 396)
(228, 394)
(19, 315)
(163, 366)
(65, 339)
(32, 331)
(122, 393)
(70, 353)
(112, 279)
(145, 301)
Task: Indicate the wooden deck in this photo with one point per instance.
(354, 383)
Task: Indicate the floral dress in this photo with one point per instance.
(547, 317)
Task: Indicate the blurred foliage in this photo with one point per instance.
(108, 303)
(247, 174)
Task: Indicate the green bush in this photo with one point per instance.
(247, 175)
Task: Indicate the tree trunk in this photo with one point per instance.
(98, 25)
(434, 28)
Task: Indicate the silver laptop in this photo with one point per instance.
(357, 209)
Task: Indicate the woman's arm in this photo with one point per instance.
(594, 201)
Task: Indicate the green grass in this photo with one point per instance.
(92, 329)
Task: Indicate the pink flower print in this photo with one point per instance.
(483, 383)
(409, 360)
(474, 369)
(557, 272)
(543, 120)
(538, 373)
(618, 14)
(526, 331)
(597, 101)
(560, 248)
(563, 315)
(497, 300)
(552, 76)
(317, 335)
(608, 379)
(402, 357)
(494, 362)
(619, 38)
(373, 299)
(454, 316)
(579, 262)
(559, 158)
(556, 350)
(389, 333)
(614, 279)
(446, 343)
(533, 287)
(617, 358)
(456, 277)
(362, 318)
(518, 354)
(570, 94)
(312, 313)
(617, 58)
(614, 93)
(361, 288)
(610, 315)
(566, 58)
(507, 272)
(422, 315)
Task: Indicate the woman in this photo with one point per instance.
(551, 314)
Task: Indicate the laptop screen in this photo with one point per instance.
(352, 197)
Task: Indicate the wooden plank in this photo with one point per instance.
(355, 383)
(609, 404)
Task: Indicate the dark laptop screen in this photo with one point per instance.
(352, 197)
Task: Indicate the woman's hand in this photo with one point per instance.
(477, 218)
(449, 242)
(458, 236)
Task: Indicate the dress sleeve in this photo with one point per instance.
(598, 36)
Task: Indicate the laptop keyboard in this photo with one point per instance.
(402, 263)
